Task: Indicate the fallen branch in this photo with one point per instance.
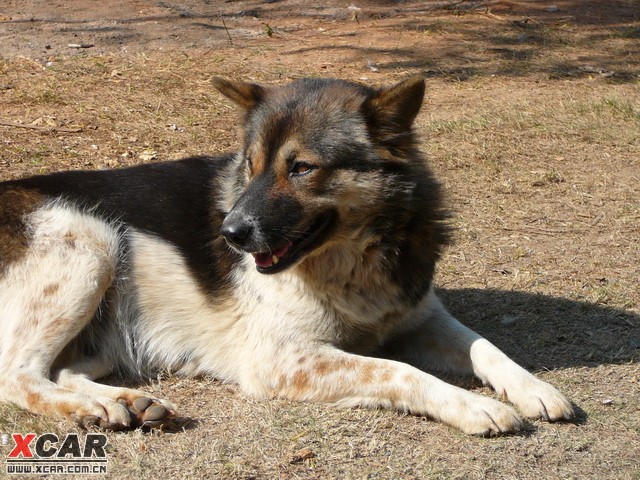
(6, 123)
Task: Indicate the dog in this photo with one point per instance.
(299, 267)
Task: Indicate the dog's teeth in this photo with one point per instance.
(275, 259)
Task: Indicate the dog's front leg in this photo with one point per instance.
(329, 375)
(437, 340)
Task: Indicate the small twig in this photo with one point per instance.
(541, 231)
(487, 13)
(6, 123)
(226, 30)
(470, 5)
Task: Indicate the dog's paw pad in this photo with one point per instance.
(141, 404)
(155, 413)
(149, 413)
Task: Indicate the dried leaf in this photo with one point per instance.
(148, 155)
(302, 455)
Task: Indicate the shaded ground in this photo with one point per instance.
(532, 121)
(454, 39)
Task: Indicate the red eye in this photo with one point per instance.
(301, 168)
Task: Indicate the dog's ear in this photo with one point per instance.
(395, 108)
(244, 94)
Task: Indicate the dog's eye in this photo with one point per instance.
(301, 168)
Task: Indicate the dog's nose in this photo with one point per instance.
(236, 230)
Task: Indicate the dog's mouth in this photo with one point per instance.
(282, 257)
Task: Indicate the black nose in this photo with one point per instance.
(236, 230)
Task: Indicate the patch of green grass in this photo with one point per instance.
(38, 156)
(617, 107)
(628, 32)
(623, 108)
(43, 95)
(48, 97)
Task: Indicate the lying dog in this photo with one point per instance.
(285, 267)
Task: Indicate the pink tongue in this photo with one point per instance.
(265, 259)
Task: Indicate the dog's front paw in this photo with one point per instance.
(491, 419)
(477, 415)
(537, 399)
(126, 413)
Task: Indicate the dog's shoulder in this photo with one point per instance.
(174, 201)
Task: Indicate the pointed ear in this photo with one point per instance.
(395, 108)
(243, 94)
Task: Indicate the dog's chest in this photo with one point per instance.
(362, 304)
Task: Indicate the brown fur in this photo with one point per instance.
(14, 235)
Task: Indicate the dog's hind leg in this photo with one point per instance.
(145, 411)
(47, 297)
(439, 341)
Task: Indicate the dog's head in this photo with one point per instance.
(323, 161)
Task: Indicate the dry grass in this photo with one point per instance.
(540, 159)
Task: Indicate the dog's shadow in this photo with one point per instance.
(541, 332)
(547, 333)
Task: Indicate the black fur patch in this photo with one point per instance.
(174, 200)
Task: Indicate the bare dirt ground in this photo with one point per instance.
(532, 121)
